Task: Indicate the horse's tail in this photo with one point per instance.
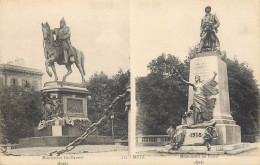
(82, 62)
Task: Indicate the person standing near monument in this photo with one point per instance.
(202, 106)
(170, 131)
(209, 25)
(63, 39)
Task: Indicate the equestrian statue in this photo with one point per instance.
(61, 50)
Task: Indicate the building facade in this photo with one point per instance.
(15, 75)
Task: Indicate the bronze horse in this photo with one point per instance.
(53, 53)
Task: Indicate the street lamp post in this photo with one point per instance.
(112, 119)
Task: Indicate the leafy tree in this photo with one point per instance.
(103, 91)
(20, 110)
(244, 97)
(162, 100)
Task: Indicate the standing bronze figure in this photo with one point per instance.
(61, 50)
(209, 27)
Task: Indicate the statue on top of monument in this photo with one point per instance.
(203, 105)
(61, 51)
(63, 39)
(209, 27)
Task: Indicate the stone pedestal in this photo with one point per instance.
(55, 141)
(73, 97)
(227, 134)
(66, 107)
(56, 130)
(204, 65)
(194, 136)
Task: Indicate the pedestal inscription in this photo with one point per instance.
(194, 136)
(74, 106)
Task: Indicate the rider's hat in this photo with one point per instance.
(63, 20)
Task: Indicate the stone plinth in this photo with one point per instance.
(56, 130)
(194, 136)
(67, 117)
(63, 129)
(55, 141)
(70, 101)
(215, 150)
(73, 97)
(227, 134)
(204, 65)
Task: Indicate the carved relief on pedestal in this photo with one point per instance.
(74, 106)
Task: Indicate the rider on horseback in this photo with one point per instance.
(63, 40)
(53, 53)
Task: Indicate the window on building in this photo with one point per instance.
(26, 83)
(1, 82)
(35, 85)
(14, 82)
(23, 83)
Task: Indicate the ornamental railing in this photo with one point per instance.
(152, 140)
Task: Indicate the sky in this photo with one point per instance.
(112, 32)
(99, 28)
(173, 27)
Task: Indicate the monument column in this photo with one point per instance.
(204, 65)
(208, 120)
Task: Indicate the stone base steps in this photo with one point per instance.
(55, 141)
(238, 151)
(215, 150)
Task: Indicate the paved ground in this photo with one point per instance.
(153, 151)
(107, 150)
(82, 149)
(118, 155)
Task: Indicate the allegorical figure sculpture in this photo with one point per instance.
(203, 105)
(50, 107)
(209, 27)
(61, 50)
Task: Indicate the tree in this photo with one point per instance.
(244, 98)
(103, 91)
(20, 110)
(162, 100)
